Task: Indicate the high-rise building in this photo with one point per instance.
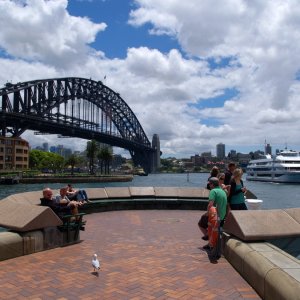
(46, 147)
(232, 153)
(268, 149)
(220, 150)
(156, 154)
(60, 150)
(53, 149)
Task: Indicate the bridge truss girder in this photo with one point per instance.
(75, 107)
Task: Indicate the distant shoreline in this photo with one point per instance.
(79, 179)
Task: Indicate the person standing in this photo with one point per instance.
(214, 172)
(229, 172)
(218, 198)
(217, 201)
(237, 191)
(221, 178)
(203, 222)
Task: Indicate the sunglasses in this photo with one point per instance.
(222, 178)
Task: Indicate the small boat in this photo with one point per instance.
(281, 168)
(140, 172)
(9, 180)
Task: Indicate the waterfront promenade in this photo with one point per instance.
(145, 254)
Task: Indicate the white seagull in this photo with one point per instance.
(95, 263)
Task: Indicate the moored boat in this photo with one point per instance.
(282, 168)
(9, 180)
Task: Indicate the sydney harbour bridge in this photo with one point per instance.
(75, 107)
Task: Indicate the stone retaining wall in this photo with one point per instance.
(273, 273)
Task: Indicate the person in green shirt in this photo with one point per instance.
(218, 198)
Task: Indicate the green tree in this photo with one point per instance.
(35, 158)
(100, 158)
(166, 165)
(105, 157)
(73, 161)
(91, 152)
(57, 162)
(45, 160)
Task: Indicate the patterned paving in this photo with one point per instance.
(153, 254)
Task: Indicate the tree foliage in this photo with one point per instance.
(40, 160)
(73, 161)
(95, 150)
(105, 157)
(92, 148)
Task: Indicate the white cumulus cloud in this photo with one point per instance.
(234, 79)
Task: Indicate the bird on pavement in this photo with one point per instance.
(95, 263)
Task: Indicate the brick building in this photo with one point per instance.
(14, 153)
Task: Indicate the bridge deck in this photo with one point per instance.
(152, 254)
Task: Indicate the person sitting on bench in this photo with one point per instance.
(60, 205)
(79, 195)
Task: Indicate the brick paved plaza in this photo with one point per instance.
(151, 254)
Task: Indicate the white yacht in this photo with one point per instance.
(282, 168)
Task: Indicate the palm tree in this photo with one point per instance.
(105, 156)
(91, 150)
(72, 161)
(100, 158)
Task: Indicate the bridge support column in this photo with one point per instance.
(143, 159)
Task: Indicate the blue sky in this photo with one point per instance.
(197, 73)
(119, 35)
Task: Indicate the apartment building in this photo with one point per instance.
(14, 153)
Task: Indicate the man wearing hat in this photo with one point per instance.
(217, 200)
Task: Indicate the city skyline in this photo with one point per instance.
(195, 74)
(67, 147)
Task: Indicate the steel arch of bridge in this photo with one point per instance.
(74, 107)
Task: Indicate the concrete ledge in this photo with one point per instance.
(268, 224)
(255, 269)
(194, 193)
(166, 192)
(143, 204)
(273, 273)
(14, 244)
(36, 226)
(11, 245)
(94, 193)
(23, 217)
(38, 239)
(141, 191)
(116, 192)
(33, 198)
(17, 215)
(235, 251)
(281, 285)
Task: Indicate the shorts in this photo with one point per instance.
(203, 222)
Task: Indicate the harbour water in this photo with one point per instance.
(273, 195)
